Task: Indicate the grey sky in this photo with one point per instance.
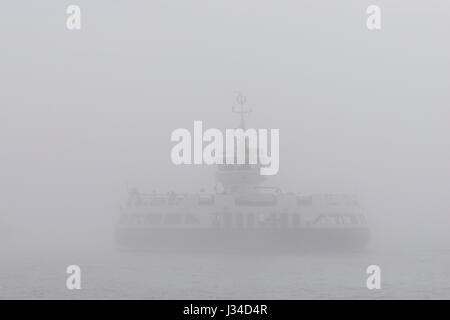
(86, 114)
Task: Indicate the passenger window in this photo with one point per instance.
(227, 220)
(345, 219)
(174, 201)
(304, 201)
(190, 219)
(250, 220)
(154, 218)
(272, 221)
(136, 218)
(284, 221)
(124, 218)
(362, 219)
(295, 219)
(206, 200)
(157, 201)
(337, 219)
(239, 220)
(173, 218)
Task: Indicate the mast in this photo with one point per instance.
(241, 99)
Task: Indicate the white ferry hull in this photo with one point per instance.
(244, 240)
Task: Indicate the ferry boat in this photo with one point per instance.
(242, 213)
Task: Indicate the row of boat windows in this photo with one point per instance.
(257, 201)
(239, 219)
(251, 220)
(285, 219)
(226, 220)
(158, 218)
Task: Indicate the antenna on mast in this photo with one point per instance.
(241, 99)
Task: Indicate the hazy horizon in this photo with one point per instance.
(86, 115)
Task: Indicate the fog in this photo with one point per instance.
(86, 115)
